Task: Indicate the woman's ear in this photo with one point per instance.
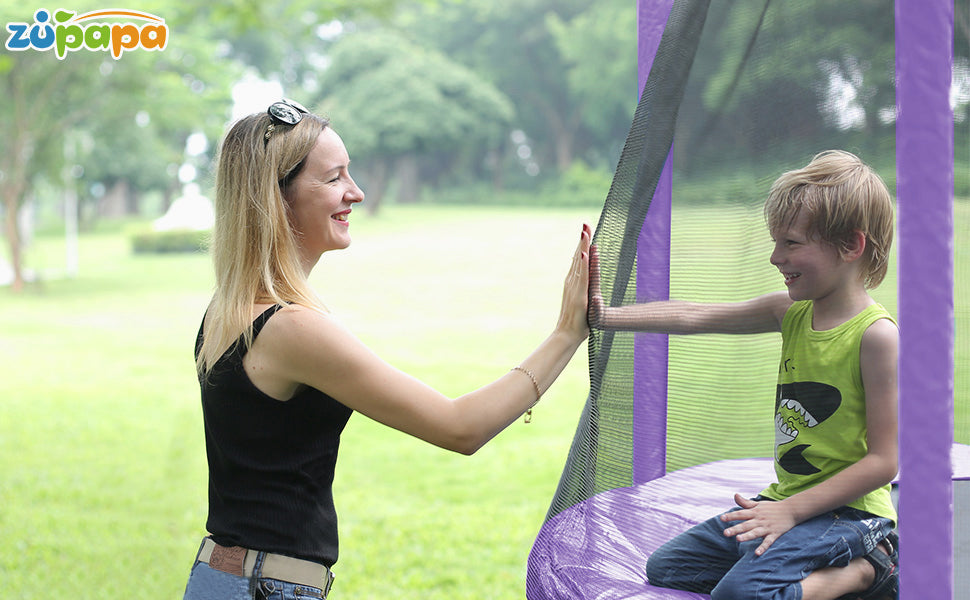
(853, 246)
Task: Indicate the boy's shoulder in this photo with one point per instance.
(883, 333)
(801, 314)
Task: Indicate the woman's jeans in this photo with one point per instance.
(703, 559)
(206, 583)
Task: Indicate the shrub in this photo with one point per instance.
(165, 242)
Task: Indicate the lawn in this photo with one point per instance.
(103, 485)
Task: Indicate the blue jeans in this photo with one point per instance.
(703, 559)
(206, 583)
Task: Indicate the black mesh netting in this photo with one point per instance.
(738, 93)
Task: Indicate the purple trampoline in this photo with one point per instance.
(627, 486)
(599, 547)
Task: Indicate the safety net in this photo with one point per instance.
(733, 94)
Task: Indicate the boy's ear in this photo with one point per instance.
(853, 246)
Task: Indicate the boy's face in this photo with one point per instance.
(812, 267)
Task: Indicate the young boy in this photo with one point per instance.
(824, 529)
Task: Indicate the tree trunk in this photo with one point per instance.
(408, 187)
(12, 232)
(376, 184)
(12, 187)
(116, 201)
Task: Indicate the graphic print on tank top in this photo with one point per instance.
(801, 406)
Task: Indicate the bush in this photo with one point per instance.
(580, 185)
(165, 242)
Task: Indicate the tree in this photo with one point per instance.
(54, 105)
(37, 87)
(127, 120)
(397, 103)
(827, 66)
(568, 66)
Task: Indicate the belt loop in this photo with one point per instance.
(198, 554)
(256, 574)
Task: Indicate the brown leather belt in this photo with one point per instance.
(237, 560)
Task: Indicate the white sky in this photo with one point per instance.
(252, 94)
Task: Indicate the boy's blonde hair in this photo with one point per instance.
(841, 194)
(255, 250)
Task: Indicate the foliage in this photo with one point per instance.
(569, 67)
(89, 120)
(164, 242)
(391, 97)
(597, 50)
(580, 185)
(398, 103)
(776, 76)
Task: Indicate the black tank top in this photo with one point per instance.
(271, 463)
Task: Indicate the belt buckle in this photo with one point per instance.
(328, 583)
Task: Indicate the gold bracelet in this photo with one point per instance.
(535, 384)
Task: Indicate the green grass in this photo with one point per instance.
(102, 493)
(102, 464)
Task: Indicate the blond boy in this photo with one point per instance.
(823, 530)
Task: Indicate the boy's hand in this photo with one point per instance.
(766, 520)
(597, 307)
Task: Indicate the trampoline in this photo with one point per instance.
(597, 549)
(651, 456)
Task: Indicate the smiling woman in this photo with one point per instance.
(321, 198)
(280, 377)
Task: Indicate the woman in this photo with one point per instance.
(280, 376)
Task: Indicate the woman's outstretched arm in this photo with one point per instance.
(300, 346)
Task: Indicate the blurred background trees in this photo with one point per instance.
(468, 101)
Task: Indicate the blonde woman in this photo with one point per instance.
(280, 376)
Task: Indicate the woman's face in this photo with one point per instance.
(321, 197)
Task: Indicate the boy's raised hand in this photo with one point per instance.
(767, 519)
(596, 305)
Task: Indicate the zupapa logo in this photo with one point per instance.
(66, 31)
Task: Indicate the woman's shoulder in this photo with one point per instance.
(292, 326)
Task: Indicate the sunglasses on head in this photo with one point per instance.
(287, 111)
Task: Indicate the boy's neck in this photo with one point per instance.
(833, 310)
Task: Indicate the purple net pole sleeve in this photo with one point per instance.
(924, 188)
(653, 282)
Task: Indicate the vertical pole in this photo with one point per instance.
(653, 281)
(924, 188)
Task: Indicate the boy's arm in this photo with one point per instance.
(769, 520)
(758, 315)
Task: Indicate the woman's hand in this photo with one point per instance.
(572, 316)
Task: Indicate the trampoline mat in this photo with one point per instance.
(598, 548)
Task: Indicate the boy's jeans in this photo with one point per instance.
(703, 559)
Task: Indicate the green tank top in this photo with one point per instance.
(820, 405)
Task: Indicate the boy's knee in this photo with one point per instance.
(734, 587)
(658, 567)
(739, 587)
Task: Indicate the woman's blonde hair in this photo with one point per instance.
(841, 194)
(255, 250)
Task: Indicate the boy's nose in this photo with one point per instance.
(776, 257)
